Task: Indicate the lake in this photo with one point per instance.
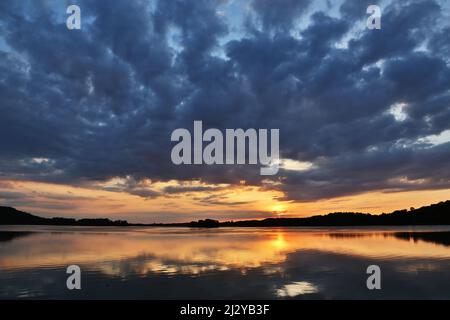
(224, 263)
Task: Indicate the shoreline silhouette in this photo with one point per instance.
(435, 214)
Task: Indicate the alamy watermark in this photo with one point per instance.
(374, 20)
(374, 280)
(238, 147)
(73, 21)
(73, 282)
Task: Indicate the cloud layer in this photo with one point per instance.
(85, 106)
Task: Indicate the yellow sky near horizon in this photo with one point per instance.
(221, 202)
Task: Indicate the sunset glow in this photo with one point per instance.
(222, 202)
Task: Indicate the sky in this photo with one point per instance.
(86, 115)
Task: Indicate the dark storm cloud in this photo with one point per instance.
(101, 102)
(351, 9)
(393, 168)
(439, 43)
(279, 15)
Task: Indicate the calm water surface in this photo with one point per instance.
(225, 263)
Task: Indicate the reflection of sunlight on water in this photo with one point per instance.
(187, 251)
(296, 288)
(242, 262)
(279, 242)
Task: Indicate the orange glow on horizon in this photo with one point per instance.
(221, 202)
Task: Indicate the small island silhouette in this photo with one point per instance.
(435, 214)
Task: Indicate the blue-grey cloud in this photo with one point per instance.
(87, 105)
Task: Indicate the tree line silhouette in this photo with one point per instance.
(435, 214)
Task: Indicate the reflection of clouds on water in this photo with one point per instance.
(149, 265)
(305, 274)
(230, 248)
(296, 288)
(440, 237)
(11, 235)
(233, 263)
